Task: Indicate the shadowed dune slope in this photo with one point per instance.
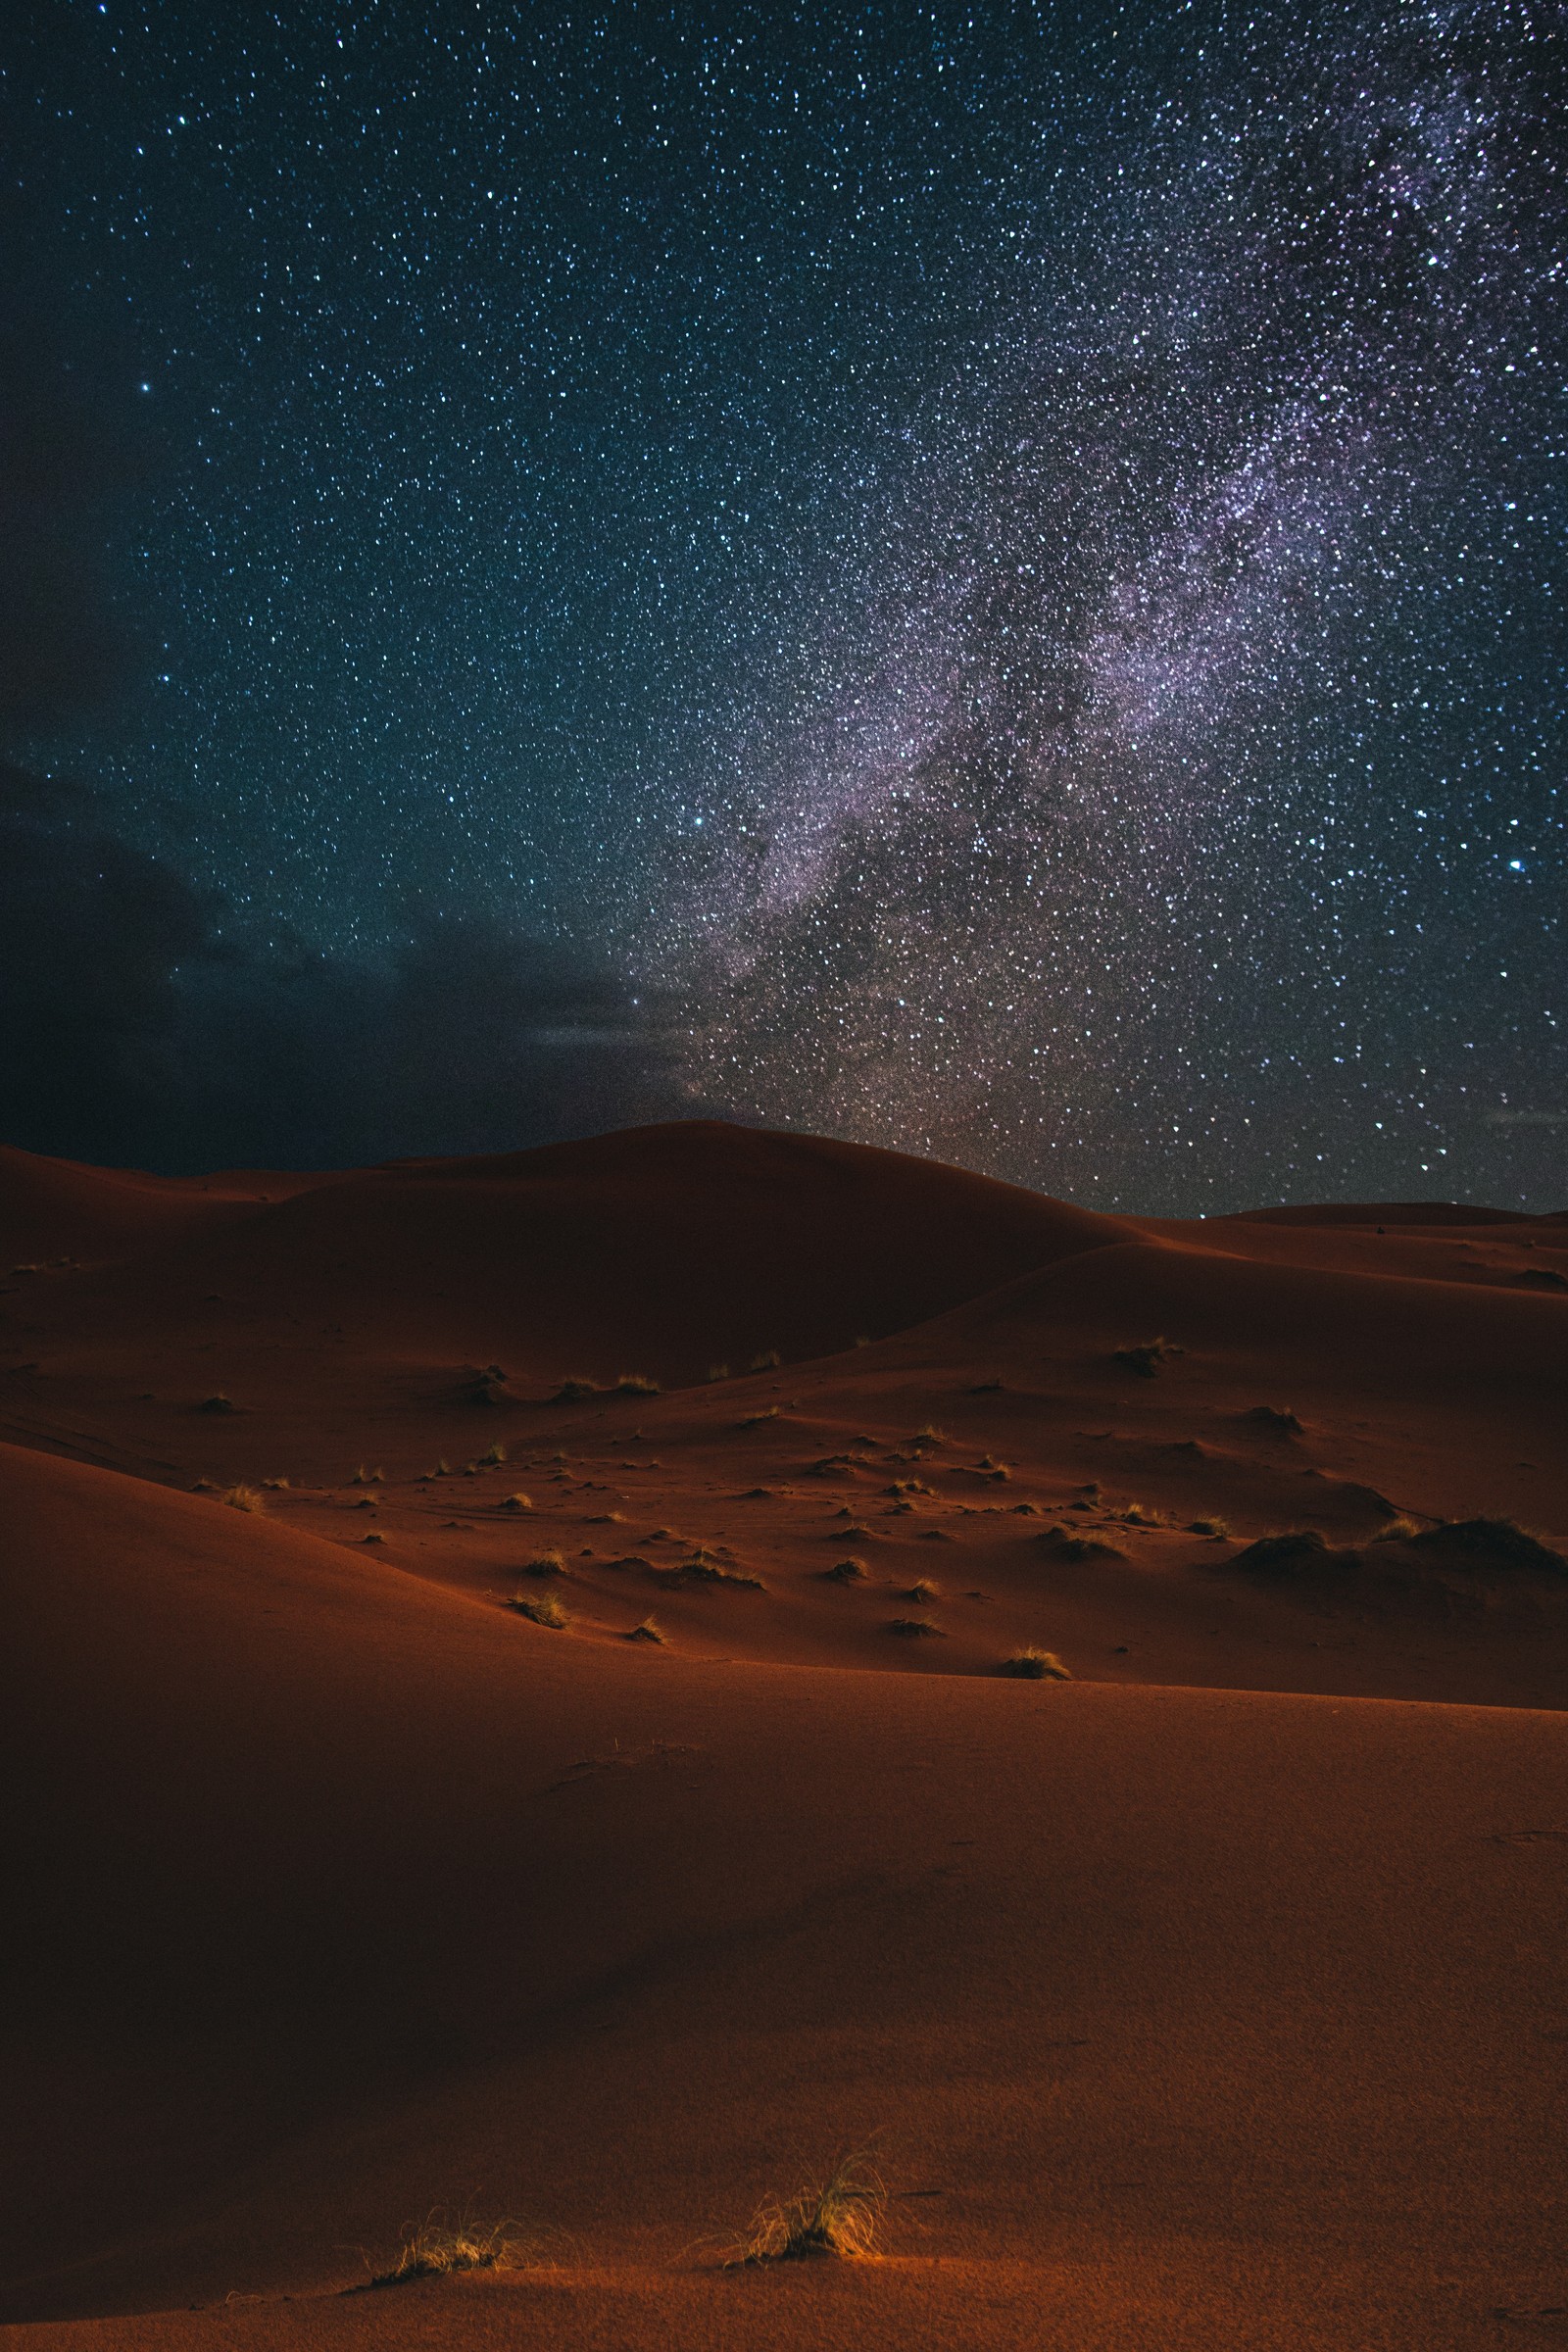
(664, 1249)
(1183, 2017)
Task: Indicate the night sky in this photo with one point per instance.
(985, 579)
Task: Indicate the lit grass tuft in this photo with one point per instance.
(1035, 1666)
(648, 1631)
(545, 1563)
(540, 1609)
(516, 1502)
(244, 1499)
(437, 2247)
(636, 1384)
(843, 2218)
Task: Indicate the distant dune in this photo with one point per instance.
(1207, 1997)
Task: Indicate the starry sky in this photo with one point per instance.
(986, 579)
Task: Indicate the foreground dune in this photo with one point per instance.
(1211, 1998)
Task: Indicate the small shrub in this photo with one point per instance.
(755, 1420)
(768, 1363)
(845, 1572)
(244, 1499)
(276, 1486)
(574, 1392)
(1035, 1666)
(437, 2247)
(516, 1502)
(540, 1609)
(636, 1384)
(700, 1569)
(717, 1372)
(367, 1478)
(216, 1404)
(913, 1629)
(545, 1563)
(1208, 1527)
(842, 2218)
(1144, 1359)
(1272, 1420)
(647, 1630)
(930, 1435)
(922, 1592)
(494, 1455)
(1397, 1530)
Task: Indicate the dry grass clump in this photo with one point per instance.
(494, 1455)
(755, 1420)
(1068, 1545)
(516, 1502)
(219, 1404)
(926, 1590)
(1035, 1666)
(1145, 1358)
(717, 1372)
(842, 2218)
(845, 1572)
(636, 1384)
(648, 1631)
(367, 1478)
(540, 1609)
(573, 1390)
(700, 1570)
(276, 1486)
(436, 2245)
(1397, 1530)
(1208, 1527)
(767, 1362)
(545, 1563)
(913, 1629)
(1275, 1420)
(244, 1499)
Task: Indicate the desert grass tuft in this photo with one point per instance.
(244, 1499)
(1208, 1527)
(755, 1420)
(217, 1403)
(648, 1631)
(922, 1593)
(494, 1455)
(913, 1629)
(276, 1486)
(438, 2245)
(718, 1372)
(769, 1361)
(515, 1502)
(845, 1572)
(574, 1390)
(636, 1384)
(367, 1478)
(545, 1563)
(1397, 1530)
(540, 1609)
(842, 2218)
(1035, 1666)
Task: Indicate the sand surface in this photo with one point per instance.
(1214, 1996)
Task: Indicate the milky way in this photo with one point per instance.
(1006, 575)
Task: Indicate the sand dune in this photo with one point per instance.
(1210, 1998)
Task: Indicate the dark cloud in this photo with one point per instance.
(136, 1029)
(138, 1025)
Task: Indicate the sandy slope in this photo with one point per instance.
(1187, 2007)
